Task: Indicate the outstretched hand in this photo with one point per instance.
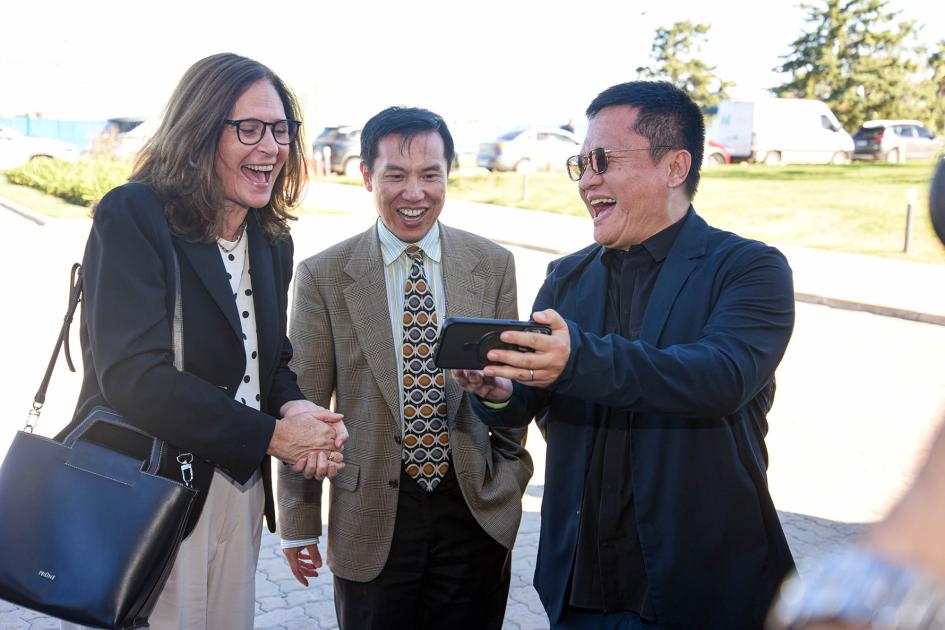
(491, 388)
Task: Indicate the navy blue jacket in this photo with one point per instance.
(127, 316)
(699, 382)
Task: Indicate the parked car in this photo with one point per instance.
(126, 144)
(895, 141)
(523, 150)
(123, 124)
(715, 155)
(110, 138)
(17, 149)
(340, 147)
(782, 131)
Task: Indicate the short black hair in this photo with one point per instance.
(667, 117)
(408, 122)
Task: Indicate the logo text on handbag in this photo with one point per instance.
(46, 574)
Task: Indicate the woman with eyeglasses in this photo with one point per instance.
(207, 210)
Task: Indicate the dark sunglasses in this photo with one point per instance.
(251, 130)
(597, 160)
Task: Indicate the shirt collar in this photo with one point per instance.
(658, 245)
(392, 247)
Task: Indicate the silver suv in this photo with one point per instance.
(895, 141)
(340, 147)
(524, 150)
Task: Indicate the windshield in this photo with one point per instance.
(866, 133)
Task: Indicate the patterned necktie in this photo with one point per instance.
(426, 435)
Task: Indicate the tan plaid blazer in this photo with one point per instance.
(341, 334)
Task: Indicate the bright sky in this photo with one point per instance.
(500, 62)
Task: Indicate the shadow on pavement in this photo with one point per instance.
(810, 536)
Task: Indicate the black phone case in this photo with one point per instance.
(465, 341)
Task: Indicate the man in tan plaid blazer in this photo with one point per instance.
(403, 555)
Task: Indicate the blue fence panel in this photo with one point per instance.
(19, 123)
(80, 132)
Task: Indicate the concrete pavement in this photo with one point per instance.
(281, 602)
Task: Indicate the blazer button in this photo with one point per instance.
(398, 439)
(393, 483)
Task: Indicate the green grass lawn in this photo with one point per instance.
(55, 208)
(858, 207)
(854, 208)
(40, 202)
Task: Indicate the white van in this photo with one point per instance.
(782, 131)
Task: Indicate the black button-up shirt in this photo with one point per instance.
(609, 574)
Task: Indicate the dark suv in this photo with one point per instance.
(895, 141)
(340, 148)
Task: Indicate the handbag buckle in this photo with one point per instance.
(186, 469)
(32, 418)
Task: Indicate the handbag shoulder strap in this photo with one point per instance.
(75, 296)
(178, 332)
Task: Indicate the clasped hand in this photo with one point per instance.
(311, 438)
(539, 368)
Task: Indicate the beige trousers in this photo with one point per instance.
(213, 582)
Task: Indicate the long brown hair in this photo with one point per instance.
(178, 161)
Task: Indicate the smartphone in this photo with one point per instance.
(465, 341)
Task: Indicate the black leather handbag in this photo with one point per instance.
(89, 533)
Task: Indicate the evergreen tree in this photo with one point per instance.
(677, 58)
(931, 105)
(856, 57)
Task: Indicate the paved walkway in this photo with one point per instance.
(848, 281)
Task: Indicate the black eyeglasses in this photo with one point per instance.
(251, 130)
(597, 160)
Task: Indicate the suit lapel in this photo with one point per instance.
(683, 257)
(588, 312)
(265, 300)
(366, 299)
(207, 264)
(464, 287)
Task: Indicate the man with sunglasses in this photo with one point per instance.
(653, 386)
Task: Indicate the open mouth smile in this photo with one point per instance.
(601, 205)
(258, 173)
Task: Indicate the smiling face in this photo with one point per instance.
(248, 172)
(408, 183)
(634, 198)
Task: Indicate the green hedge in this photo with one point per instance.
(82, 183)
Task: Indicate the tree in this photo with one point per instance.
(856, 58)
(676, 55)
(937, 65)
(930, 104)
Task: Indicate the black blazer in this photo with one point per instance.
(127, 317)
(699, 381)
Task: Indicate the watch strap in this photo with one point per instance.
(857, 586)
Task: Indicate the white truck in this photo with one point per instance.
(781, 131)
